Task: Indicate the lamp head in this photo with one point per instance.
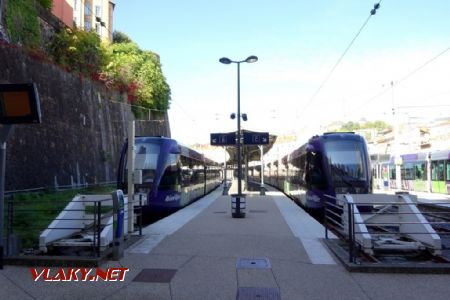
(251, 59)
(225, 60)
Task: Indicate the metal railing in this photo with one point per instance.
(60, 188)
(25, 221)
(358, 222)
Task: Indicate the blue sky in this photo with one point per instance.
(297, 42)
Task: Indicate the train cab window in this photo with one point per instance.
(171, 175)
(346, 161)
(146, 159)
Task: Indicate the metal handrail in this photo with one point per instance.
(351, 220)
(97, 216)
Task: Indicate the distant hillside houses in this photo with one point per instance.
(412, 137)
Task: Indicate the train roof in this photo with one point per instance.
(440, 154)
(338, 135)
(184, 150)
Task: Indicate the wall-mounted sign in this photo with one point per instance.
(19, 103)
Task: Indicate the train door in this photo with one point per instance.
(438, 177)
(392, 176)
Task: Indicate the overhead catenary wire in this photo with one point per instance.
(404, 78)
(189, 117)
(328, 76)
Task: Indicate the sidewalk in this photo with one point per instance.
(201, 252)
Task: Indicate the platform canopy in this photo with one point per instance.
(252, 152)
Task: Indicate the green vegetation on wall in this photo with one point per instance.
(78, 50)
(22, 23)
(139, 73)
(47, 4)
(128, 68)
(121, 65)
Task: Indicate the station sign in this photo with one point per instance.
(223, 139)
(256, 138)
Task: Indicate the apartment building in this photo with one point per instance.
(89, 15)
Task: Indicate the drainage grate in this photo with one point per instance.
(257, 211)
(155, 275)
(253, 263)
(220, 212)
(251, 293)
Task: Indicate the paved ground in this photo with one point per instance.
(203, 253)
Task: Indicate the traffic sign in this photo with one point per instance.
(223, 139)
(256, 138)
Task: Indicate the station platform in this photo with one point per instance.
(201, 252)
(423, 197)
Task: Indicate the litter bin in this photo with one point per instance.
(238, 206)
(119, 215)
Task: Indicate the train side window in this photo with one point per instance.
(315, 175)
(437, 170)
(407, 171)
(447, 170)
(392, 173)
(420, 171)
(302, 169)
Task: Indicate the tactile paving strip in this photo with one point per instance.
(258, 293)
(155, 275)
(253, 263)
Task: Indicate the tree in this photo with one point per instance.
(120, 37)
(139, 73)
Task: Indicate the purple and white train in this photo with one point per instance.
(172, 175)
(328, 164)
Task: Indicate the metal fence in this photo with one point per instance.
(59, 188)
(26, 220)
(365, 226)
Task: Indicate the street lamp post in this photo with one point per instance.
(227, 61)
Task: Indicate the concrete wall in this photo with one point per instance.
(83, 127)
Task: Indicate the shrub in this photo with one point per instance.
(78, 50)
(47, 4)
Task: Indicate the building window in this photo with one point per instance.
(87, 9)
(75, 4)
(98, 11)
(87, 25)
(97, 28)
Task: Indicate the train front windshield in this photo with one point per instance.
(346, 163)
(146, 159)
